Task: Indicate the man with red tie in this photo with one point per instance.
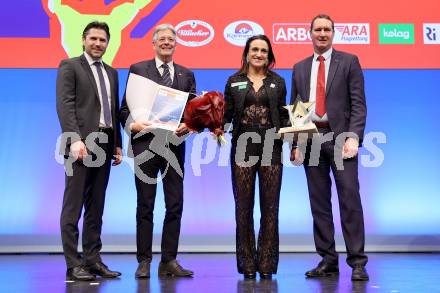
(334, 81)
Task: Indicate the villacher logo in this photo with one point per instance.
(194, 33)
(352, 33)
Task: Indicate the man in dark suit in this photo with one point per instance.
(87, 106)
(149, 162)
(334, 81)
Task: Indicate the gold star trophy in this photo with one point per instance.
(300, 118)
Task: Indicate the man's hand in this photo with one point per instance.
(79, 150)
(350, 149)
(117, 157)
(139, 126)
(296, 157)
(181, 130)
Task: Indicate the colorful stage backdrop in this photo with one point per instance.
(397, 43)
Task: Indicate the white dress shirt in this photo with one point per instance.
(313, 81)
(98, 84)
(170, 66)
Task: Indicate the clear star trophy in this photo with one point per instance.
(300, 118)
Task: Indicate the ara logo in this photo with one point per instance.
(431, 33)
(352, 33)
(238, 32)
(194, 33)
(396, 33)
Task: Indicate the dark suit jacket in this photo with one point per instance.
(275, 87)
(183, 80)
(345, 95)
(78, 104)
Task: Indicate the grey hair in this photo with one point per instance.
(163, 27)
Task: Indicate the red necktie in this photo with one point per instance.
(320, 88)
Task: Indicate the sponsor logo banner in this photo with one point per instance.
(194, 33)
(238, 32)
(396, 33)
(291, 33)
(431, 33)
(352, 33)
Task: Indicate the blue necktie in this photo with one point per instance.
(105, 104)
(166, 76)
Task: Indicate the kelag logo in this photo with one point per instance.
(194, 33)
(431, 33)
(396, 33)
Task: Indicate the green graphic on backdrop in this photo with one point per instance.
(73, 23)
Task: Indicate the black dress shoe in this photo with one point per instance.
(143, 269)
(323, 270)
(249, 276)
(79, 274)
(174, 269)
(102, 270)
(359, 273)
(266, 276)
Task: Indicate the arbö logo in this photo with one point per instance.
(352, 33)
(396, 33)
(194, 33)
(238, 32)
(291, 33)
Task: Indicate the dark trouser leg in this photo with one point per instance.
(319, 185)
(71, 212)
(173, 194)
(350, 207)
(243, 185)
(146, 194)
(269, 178)
(94, 209)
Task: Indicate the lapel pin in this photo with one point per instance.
(272, 85)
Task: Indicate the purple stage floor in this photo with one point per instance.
(389, 272)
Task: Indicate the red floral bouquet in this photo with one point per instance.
(206, 111)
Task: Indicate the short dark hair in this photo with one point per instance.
(97, 25)
(270, 56)
(325, 16)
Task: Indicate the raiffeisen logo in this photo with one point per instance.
(194, 33)
(396, 33)
(352, 33)
(431, 33)
(291, 33)
(238, 32)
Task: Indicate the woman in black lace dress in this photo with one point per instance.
(255, 97)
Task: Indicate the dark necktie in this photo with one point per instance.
(166, 76)
(105, 104)
(320, 109)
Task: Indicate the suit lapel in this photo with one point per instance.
(269, 86)
(308, 73)
(242, 95)
(89, 72)
(112, 86)
(334, 64)
(177, 82)
(152, 72)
